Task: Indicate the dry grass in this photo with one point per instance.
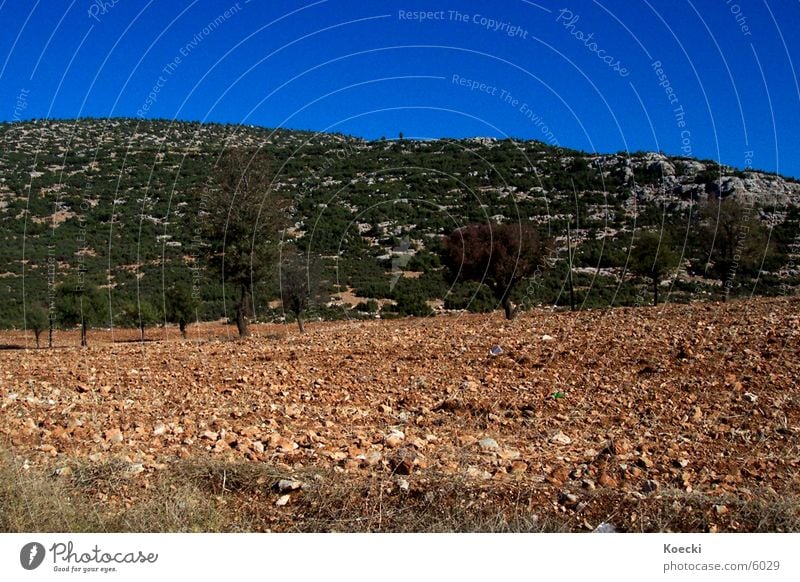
(218, 496)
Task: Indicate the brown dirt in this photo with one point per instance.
(651, 406)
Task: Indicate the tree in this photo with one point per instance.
(79, 303)
(300, 284)
(242, 222)
(139, 314)
(37, 319)
(498, 255)
(653, 256)
(181, 307)
(730, 239)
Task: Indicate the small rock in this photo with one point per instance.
(496, 350)
(621, 446)
(750, 397)
(282, 500)
(159, 429)
(64, 472)
(132, 470)
(394, 439)
(606, 480)
(558, 475)
(476, 473)
(645, 462)
(285, 485)
(401, 466)
(114, 435)
(560, 439)
(210, 435)
(548, 338)
(488, 444)
(372, 458)
(650, 486)
(566, 498)
(286, 446)
(403, 485)
(605, 528)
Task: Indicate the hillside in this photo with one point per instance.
(118, 200)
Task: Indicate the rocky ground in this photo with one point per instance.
(671, 418)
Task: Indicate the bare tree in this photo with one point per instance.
(300, 284)
(731, 239)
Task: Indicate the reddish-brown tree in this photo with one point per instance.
(497, 255)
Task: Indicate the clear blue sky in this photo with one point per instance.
(581, 74)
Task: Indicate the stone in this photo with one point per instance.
(750, 397)
(651, 486)
(114, 436)
(606, 480)
(621, 446)
(477, 473)
(488, 444)
(64, 472)
(283, 500)
(605, 528)
(372, 458)
(401, 465)
(159, 429)
(132, 470)
(286, 485)
(394, 439)
(560, 439)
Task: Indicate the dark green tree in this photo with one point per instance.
(79, 302)
(653, 257)
(139, 314)
(181, 307)
(37, 320)
(242, 222)
(731, 240)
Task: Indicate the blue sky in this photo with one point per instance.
(713, 79)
